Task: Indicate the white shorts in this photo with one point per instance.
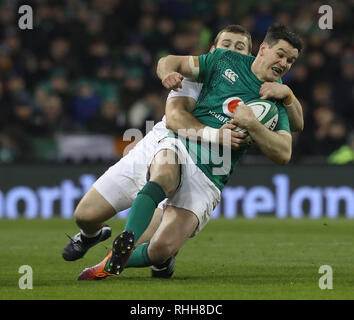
(195, 192)
(120, 184)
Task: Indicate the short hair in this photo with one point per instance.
(278, 32)
(235, 28)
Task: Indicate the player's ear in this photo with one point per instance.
(212, 48)
(262, 47)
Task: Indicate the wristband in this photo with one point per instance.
(210, 135)
(289, 99)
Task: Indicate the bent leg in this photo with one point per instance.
(92, 211)
(164, 179)
(176, 228)
(151, 229)
(165, 170)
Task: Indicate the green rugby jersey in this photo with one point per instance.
(227, 80)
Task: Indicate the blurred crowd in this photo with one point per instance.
(88, 67)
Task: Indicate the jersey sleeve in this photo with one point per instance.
(283, 119)
(189, 89)
(207, 62)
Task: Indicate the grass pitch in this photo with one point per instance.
(264, 258)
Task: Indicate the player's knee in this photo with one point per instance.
(164, 170)
(161, 250)
(83, 216)
(167, 178)
(166, 183)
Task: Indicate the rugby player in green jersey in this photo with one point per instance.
(190, 181)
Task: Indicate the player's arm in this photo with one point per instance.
(172, 69)
(276, 145)
(180, 120)
(291, 103)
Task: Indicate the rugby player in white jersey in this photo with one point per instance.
(116, 189)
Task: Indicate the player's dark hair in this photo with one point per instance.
(278, 32)
(235, 28)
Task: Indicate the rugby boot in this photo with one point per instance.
(122, 249)
(79, 245)
(98, 271)
(164, 270)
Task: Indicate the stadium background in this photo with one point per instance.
(70, 88)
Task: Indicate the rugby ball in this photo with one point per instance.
(265, 111)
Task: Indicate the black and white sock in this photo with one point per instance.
(90, 237)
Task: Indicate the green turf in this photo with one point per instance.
(264, 258)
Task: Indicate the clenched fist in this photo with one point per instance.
(173, 81)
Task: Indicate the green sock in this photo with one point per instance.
(140, 257)
(143, 208)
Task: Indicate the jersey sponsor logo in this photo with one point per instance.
(221, 117)
(230, 76)
(231, 104)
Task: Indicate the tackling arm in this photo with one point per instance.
(172, 69)
(180, 120)
(178, 114)
(178, 109)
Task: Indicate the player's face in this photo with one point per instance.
(233, 41)
(277, 60)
